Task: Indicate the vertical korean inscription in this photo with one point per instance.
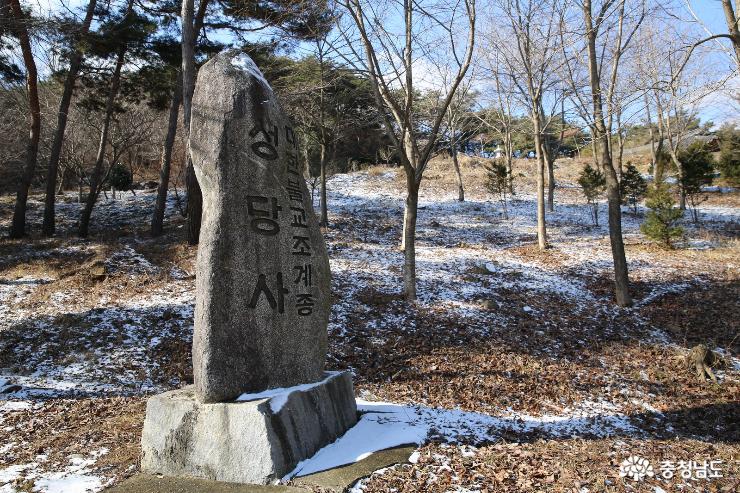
(264, 217)
(302, 248)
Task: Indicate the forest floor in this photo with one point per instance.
(515, 363)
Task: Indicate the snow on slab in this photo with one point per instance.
(372, 433)
(279, 396)
(385, 425)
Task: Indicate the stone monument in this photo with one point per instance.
(261, 401)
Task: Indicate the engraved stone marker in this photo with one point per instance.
(263, 294)
(262, 300)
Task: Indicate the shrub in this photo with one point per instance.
(729, 154)
(497, 182)
(593, 184)
(661, 221)
(697, 168)
(632, 187)
(120, 177)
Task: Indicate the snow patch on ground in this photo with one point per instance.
(75, 478)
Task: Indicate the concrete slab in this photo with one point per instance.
(333, 480)
(146, 483)
(340, 478)
(255, 442)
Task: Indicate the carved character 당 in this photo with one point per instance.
(265, 220)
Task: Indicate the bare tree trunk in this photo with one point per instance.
(409, 236)
(549, 162)
(97, 175)
(653, 150)
(597, 163)
(192, 23)
(460, 189)
(620, 143)
(550, 184)
(324, 221)
(324, 209)
(52, 168)
(621, 276)
(509, 148)
(164, 171)
(541, 227)
(18, 226)
(550, 165)
(681, 189)
(63, 180)
(733, 26)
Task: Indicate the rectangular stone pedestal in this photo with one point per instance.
(256, 441)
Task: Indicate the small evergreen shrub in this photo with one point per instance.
(697, 167)
(497, 182)
(632, 187)
(120, 177)
(729, 160)
(593, 184)
(661, 221)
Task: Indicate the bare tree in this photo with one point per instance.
(529, 51)
(500, 116)
(458, 113)
(732, 19)
(19, 26)
(166, 161)
(391, 65)
(675, 86)
(606, 35)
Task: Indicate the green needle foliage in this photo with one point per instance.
(632, 187)
(120, 177)
(661, 221)
(698, 168)
(497, 182)
(593, 184)
(729, 156)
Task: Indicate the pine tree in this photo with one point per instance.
(729, 156)
(497, 182)
(593, 184)
(633, 186)
(123, 35)
(120, 178)
(661, 220)
(697, 167)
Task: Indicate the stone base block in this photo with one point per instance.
(256, 441)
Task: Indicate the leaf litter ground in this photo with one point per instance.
(514, 370)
